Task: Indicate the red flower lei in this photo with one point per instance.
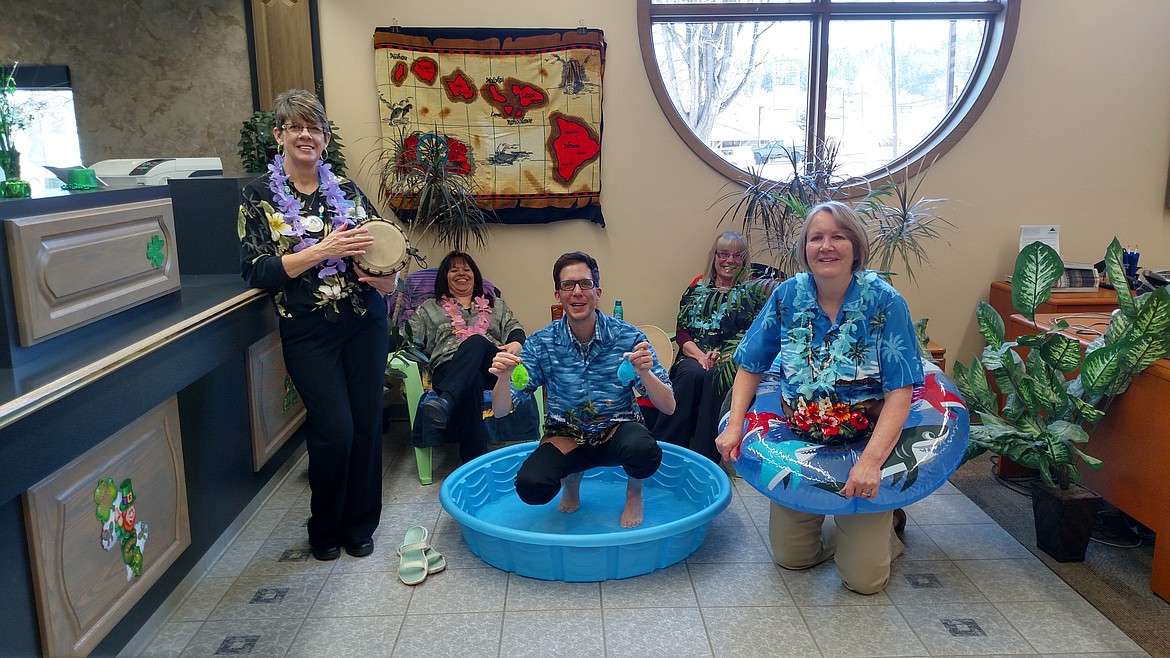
(459, 325)
(828, 421)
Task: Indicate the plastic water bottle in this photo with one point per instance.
(617, 310)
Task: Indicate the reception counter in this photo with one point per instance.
(160, 388)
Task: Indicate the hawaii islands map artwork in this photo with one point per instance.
(518, 110)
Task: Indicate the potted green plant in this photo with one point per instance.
(1044, 412)
(427, 179)
(257, 144)
(774, 211)
(11, 120)
(899, 220)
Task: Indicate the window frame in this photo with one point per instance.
(992, 62)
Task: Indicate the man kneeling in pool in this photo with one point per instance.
(593, 417)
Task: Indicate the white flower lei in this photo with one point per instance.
(813, 381)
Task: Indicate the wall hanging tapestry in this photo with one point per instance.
(518, 112)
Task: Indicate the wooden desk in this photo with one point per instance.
(1103, 300)
(1131, 443)
(938, 353)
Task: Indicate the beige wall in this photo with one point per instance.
(151, 78)
(1078, 135)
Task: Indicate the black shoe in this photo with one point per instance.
(438, 409)
(327, 553)
(360, 548)
(899, 521)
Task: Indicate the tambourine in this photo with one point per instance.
(389, 252)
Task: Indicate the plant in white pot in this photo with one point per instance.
(1044, 412)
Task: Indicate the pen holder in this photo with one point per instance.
(1129, 259)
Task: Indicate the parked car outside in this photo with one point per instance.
(740, 156)
(777, 151)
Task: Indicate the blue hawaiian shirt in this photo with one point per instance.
(883, 353)
(586, 399)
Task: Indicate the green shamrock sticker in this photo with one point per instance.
(154, 251)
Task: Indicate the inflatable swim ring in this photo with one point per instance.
(807, 476)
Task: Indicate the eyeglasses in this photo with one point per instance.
(314, 131)
(733, 255)
(567, 286)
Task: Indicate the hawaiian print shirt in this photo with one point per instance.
(883, 353)
(586, 398)
(713, 315)
(262, 244)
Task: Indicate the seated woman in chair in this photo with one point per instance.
(716, 308)
(461, 329)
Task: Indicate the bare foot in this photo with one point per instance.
(633, 512)
(570, 494)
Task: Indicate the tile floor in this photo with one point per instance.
(963, 587)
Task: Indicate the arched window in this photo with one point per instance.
(889, 85)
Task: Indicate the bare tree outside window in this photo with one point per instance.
(752, 85)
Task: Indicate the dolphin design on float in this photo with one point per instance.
(774, 460)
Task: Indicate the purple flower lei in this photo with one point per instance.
(291, 207)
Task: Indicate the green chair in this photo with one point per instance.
(413, 388)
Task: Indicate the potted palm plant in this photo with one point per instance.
(774, 211)
(427, 179)
(1052, 397)
(901, 222)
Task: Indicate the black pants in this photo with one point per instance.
(338, 369)
(698, 400)
(465, 377)
(632, 447)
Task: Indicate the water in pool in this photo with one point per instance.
(601, 508)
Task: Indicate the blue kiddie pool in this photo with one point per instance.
(540, 541)
(807, 476)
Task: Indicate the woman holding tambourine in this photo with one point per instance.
(849, 356)
(300, 232)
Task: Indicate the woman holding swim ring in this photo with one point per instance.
(846, 345)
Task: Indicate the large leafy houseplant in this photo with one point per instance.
(11, 120)
(427, 179)
(1044, 414)
(257, 144)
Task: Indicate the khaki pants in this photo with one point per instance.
(863, 545)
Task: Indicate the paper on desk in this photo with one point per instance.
(1049, 234)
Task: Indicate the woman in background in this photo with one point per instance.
(714, 312)
(461, 329)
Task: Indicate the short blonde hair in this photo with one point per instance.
(847, 220)
(728, 240)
